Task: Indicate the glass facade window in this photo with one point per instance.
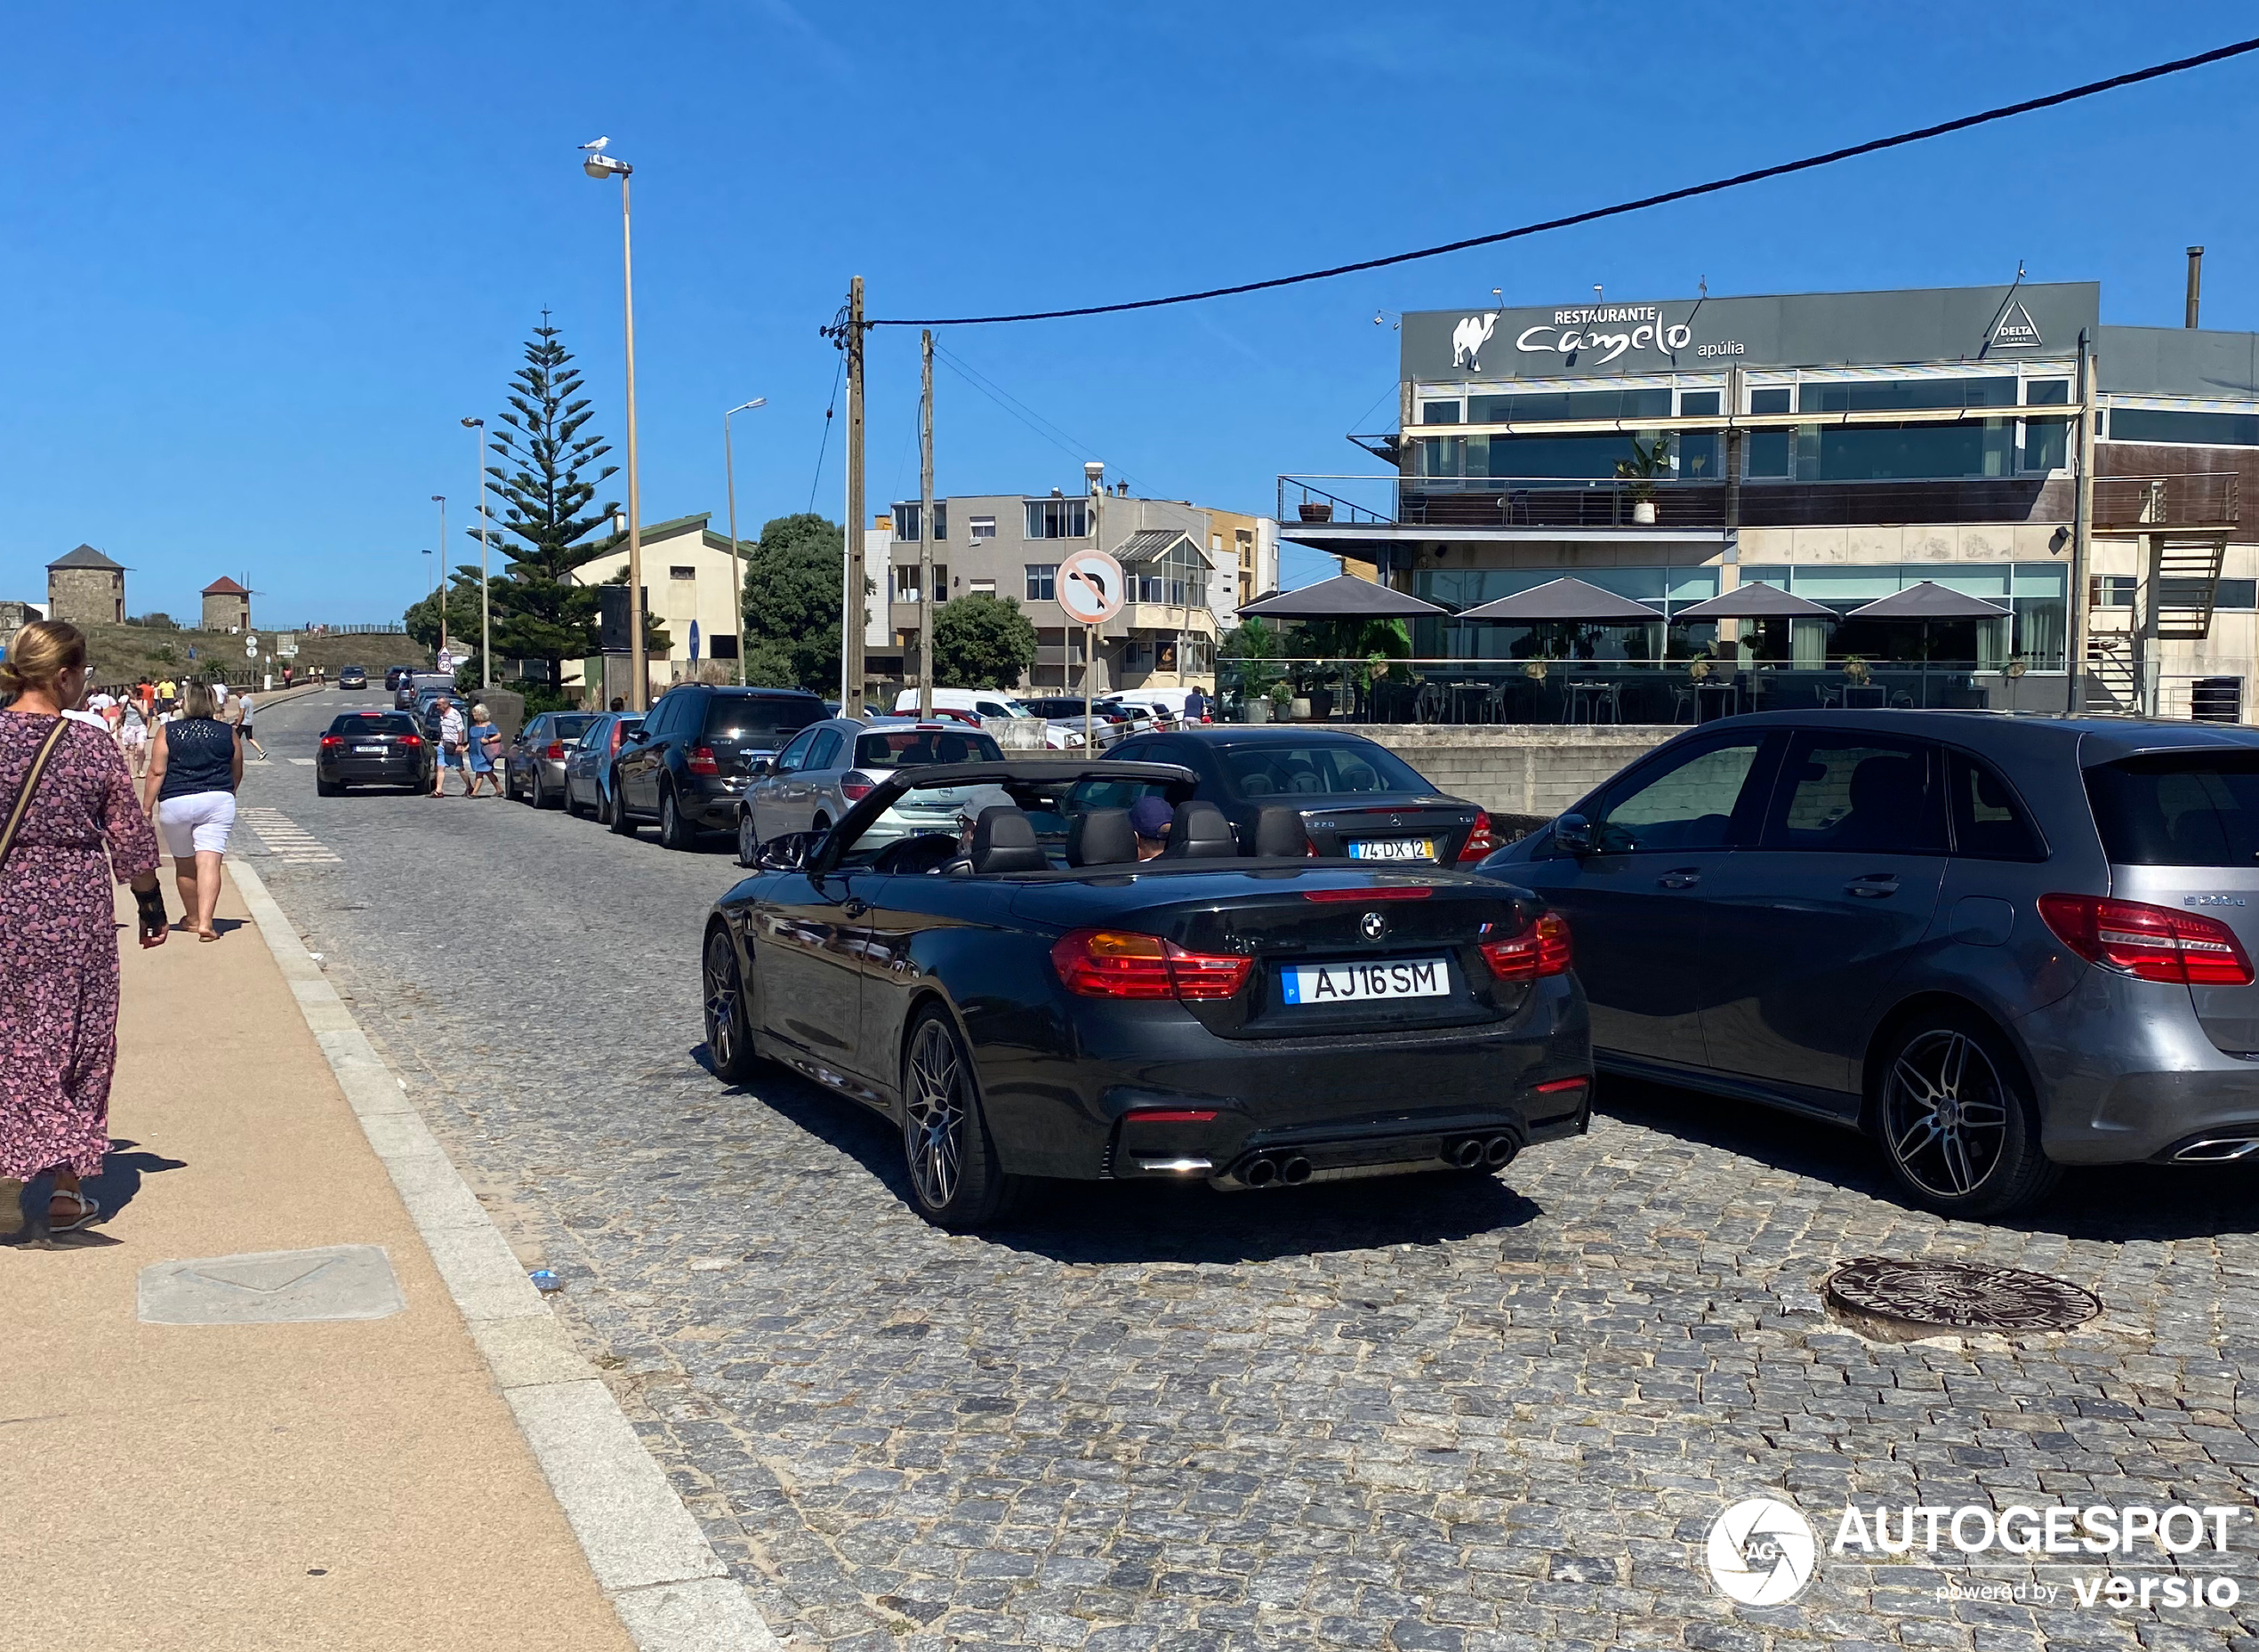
(1533, 406)
(1668, 590)
(906, 583)
(1439, 412)
(2046, 443)
(906, 519)
(1773, 400)
(1884, 452)
(982, 527)
(2237, 593)
(1043, 581)
(2032, 630)
(1699, 404)
(1885, 396)
(2192, 430)
(1765, 453)
(2048, 392)
(1058, 518)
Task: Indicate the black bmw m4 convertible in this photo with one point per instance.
(1043, 994)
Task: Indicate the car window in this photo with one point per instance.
(534, 732)
(372, 723)
(825, 752)
(760, 717)
(1688, 803)
(1856, 793)
(1989, 822)
(1281, 770)
(2194, 808)
(908, 748)
(795, 754)
(570, 725)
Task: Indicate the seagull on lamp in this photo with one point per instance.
(597, 147)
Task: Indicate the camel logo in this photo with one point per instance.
(1469, 337)
(2016, 330)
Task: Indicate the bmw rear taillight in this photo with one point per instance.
(855, 788)
(1542, 949)
(1481, 841)
(2148, 942)
(556, 751)
(1120, 964)
(701, 761)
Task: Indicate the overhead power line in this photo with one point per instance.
(2093, 88)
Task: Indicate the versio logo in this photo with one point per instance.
(1762, 1553)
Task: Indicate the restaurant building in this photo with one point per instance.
(1841, 446)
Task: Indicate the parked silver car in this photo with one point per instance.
(587, 764)
(829, 766)
(1998, 945)
(534, 763)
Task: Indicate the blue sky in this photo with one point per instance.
(259, 260)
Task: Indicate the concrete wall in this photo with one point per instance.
(1528, 771)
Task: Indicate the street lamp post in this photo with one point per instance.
(736, 570)
(440, 500)
(477, 429)
(599, 165)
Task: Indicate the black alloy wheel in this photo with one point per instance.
(674, 831)
(748, 839)
(1957, 1120)
(728, 1028)
(619, 819)
(954, 1175)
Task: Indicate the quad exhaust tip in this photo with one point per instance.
(1292, 1170)
(2217, 1150)
(1473, 1152)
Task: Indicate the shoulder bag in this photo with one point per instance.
(30, 784)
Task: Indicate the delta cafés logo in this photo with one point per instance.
(2129, 1558)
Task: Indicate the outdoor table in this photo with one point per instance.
(1869, 696)
(1716, 700)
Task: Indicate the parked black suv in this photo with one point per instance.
(685, 766)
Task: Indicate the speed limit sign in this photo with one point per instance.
(1089, 587)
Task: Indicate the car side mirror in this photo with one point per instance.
(1572, 835)
(637, 736)
(753, 767)
(786, 852)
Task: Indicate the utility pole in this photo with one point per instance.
(925, 530)
(440, 500)
(477, 429)
(851, 604)
(2082, 528)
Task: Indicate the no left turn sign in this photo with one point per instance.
(1090, 586)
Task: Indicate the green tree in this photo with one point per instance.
(792, 610)
(539, 613)
(423, 618)
(1254, 644)
(982, 642)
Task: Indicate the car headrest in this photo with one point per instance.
(1101, 837)
(1278, 831)
(1004, 841)
(1257, 785)
(1200, 832)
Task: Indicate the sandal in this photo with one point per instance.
(88, 1210)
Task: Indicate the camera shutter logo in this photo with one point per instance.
(1762, 1553)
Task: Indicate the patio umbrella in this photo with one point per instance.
(1929, 600)
(1754, 602)
(1343, 597)
(1564, 600)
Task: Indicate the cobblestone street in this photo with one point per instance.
(1415, 1413)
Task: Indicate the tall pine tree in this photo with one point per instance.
(539, 613)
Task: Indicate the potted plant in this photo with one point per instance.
(1648, 460)
(1855, 671)
(1314, 511)
(1534, 670)
(2018, 666)
(1281, 702)
(1699, 665)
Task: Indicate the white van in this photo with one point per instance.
(986, 702)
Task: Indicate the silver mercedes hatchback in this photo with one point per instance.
(1999, 945)
(829, 766)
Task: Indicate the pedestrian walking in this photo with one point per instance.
(244, 703)
(68, 809)
(195, 767)
(451, 744)
(134, 738)
(483, 744)
(1195, 706)
(145, 692)
(168, 695)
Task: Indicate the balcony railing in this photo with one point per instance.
(1337, 507)
(2201, 499)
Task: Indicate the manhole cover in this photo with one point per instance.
(1899, 1299)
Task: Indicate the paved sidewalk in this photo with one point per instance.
(342, 1485)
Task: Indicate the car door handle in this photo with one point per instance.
(1872, 889)
(853, 907)
(1683, 878)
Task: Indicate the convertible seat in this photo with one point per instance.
(1004, 841)
(1200, 832)
(1101, 837)
(1278, 831)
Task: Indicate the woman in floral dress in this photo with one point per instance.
(58, 934)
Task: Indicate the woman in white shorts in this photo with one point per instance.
(196, 763)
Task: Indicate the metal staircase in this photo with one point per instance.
(2188, 582)
(2110, 668)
